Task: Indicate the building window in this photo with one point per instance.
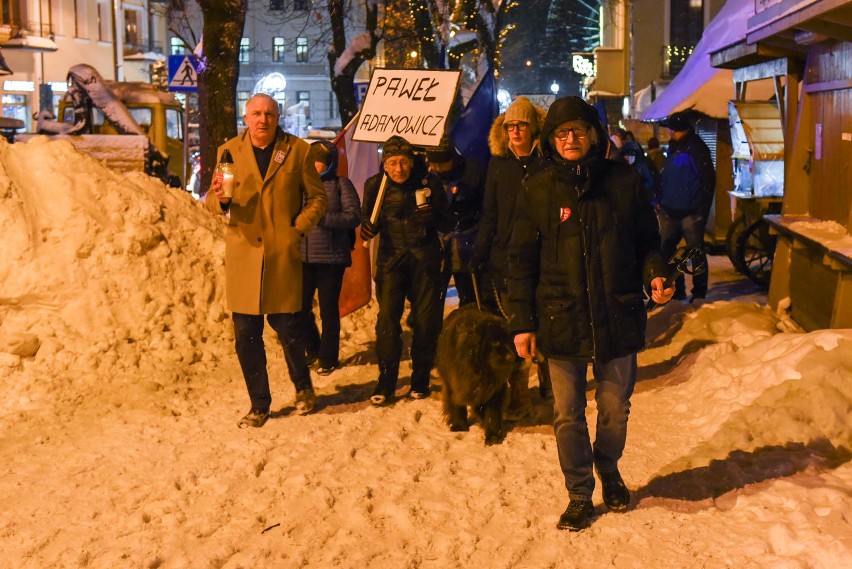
(685, 29)
(687, 21)
(276, 5)
(177, 47)
(244, 50)
(242, 99)
(132, 33)
(301, 4)
(333, 110)
(58, 26)
(304, 97)
(104, 21)
(16, 107)
(278, 49)
(80, 9)
(302, 50)
(9, 11)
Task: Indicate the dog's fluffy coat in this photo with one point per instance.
(476, 360)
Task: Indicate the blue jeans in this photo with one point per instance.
(577, 456)
(248, 338)
(691, 228)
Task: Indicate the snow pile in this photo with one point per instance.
(829, 233)
(103, 272)
(752, 388)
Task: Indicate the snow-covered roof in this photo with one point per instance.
(138, 92)
(701, 87)
(146, 56)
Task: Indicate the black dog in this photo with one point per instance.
(476, 359)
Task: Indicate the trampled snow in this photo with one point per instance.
(121, 393)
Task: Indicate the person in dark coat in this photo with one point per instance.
(584, 244)
(464, 183)
(655, 153)
(326, 252)
(408, 264)
(688, 184)
(633, 154)
(515, 152)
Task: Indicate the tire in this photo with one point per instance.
(755, 250)
(735, 231)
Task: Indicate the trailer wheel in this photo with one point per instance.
(736, 230)
(754, 252)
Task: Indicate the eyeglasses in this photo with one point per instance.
(577, 131)
(519, 126)
(403, 162)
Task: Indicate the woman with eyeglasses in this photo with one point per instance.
(513, 141)
(584, 244)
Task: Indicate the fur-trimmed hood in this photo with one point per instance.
(498, 139)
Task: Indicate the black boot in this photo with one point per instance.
(383, 394)
(615, 493)
(385, 389)
(578, 515)
(419, 384)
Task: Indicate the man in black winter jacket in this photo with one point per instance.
(585, 242)
(463, 180)
(686, 195)
(408, 264)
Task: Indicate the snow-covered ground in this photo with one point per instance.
(120, 393)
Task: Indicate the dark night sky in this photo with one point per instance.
(548, 45)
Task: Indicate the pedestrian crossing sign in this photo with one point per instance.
(183, 73)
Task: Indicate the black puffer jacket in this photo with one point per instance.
(584, 243)
(503, 180)
(400, 232)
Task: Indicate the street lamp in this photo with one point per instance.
(554, 88)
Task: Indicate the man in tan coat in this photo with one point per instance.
(277, 198)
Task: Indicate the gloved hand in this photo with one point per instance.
(368, 231)
(423, 213)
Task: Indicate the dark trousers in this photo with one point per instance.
(326, 280)
(466, 289)
(420, 282)
(248, 338)
(691, 228)
(577, 456)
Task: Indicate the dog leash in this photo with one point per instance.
(497, 300)
(476, 291)
(493, 289)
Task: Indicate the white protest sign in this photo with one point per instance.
(411, 103)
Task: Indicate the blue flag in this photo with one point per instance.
(470, 134)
